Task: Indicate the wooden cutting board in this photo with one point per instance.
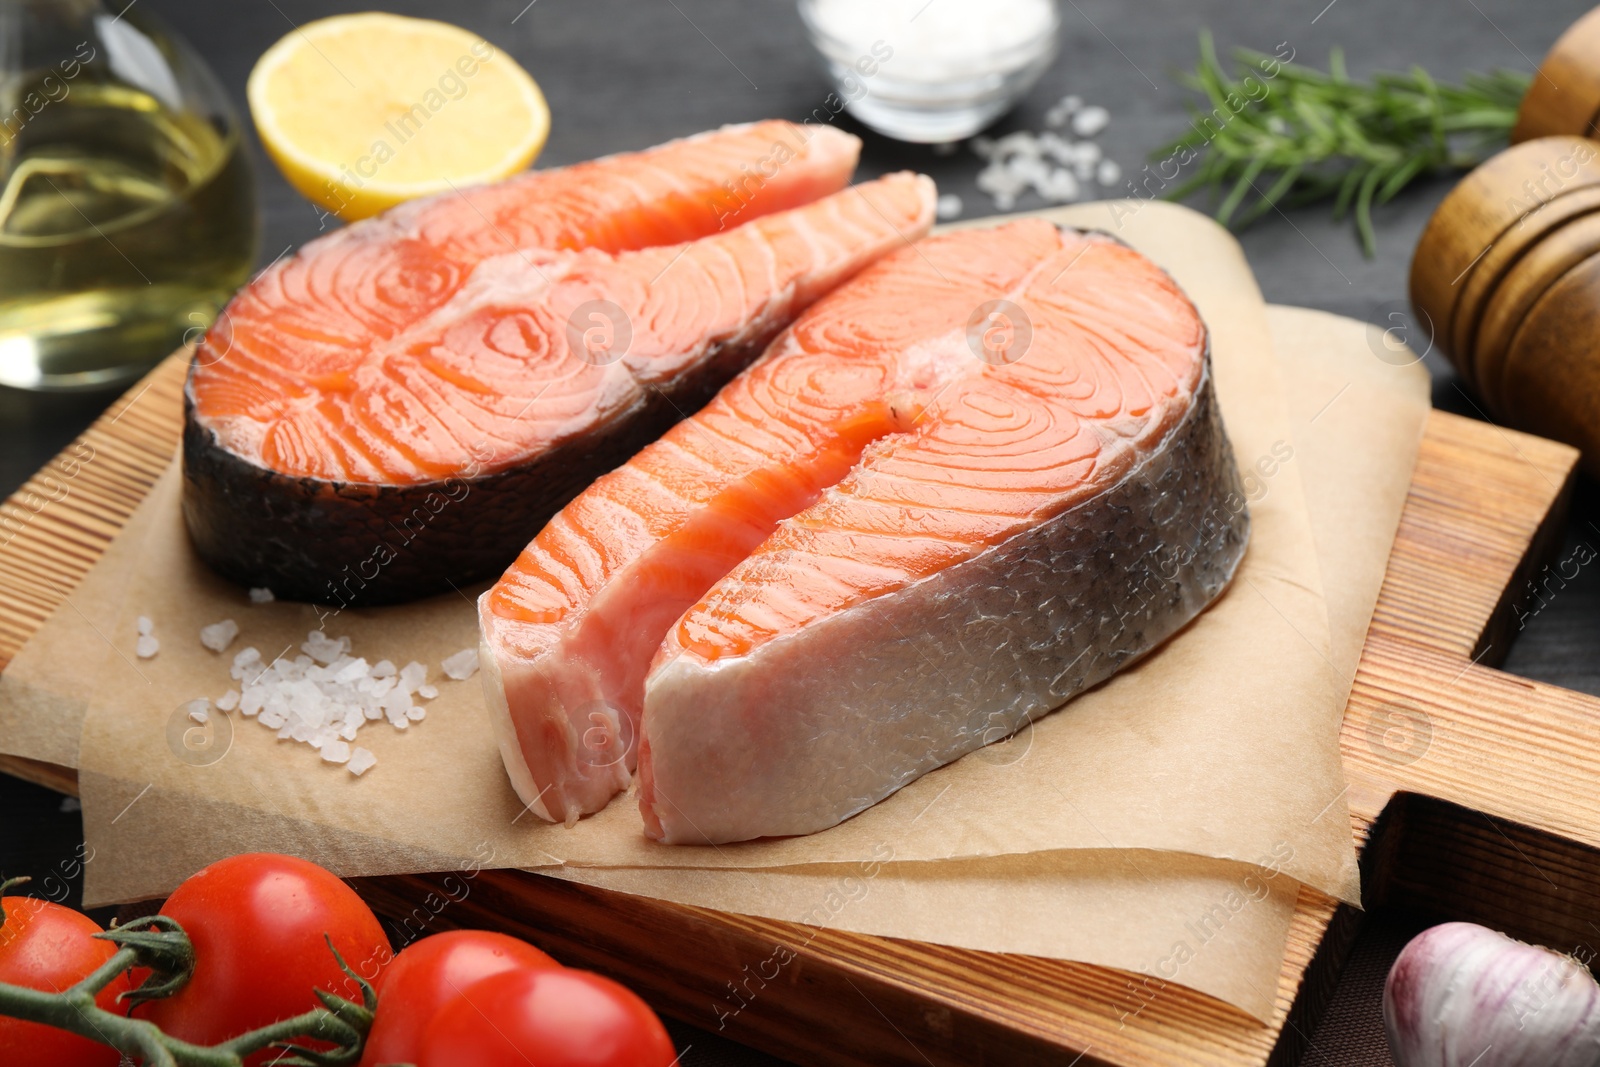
(1471, 792)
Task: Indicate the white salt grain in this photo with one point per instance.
(427, 692)
(335, 751)
(219, 635)
(261, 596)
(948, 206)
(144, 624)
(462, 665)
(146, 646)
(229, 700)
(324, 649)
(199, 711)
(353, 671)
(412, 675)
(1090, 120)
(1108, 173)
(361, 761)
(382, 669)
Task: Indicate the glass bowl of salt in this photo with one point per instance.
(930, 71)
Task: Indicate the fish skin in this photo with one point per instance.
(854, 733)
(358, 536)
(720, 510)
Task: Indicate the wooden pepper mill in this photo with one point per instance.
(1507, 273)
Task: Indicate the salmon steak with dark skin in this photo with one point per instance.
(397, 408)
(980, 478)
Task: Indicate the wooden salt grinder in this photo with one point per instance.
(1507, 279)
(1564, 96)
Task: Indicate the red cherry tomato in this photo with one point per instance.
(257, 923)
(430, 974)
(48, 947)
(557, 1018)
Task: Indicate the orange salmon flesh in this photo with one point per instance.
(874, 545)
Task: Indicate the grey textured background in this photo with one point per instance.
(623, 74)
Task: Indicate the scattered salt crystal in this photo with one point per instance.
(146, 646)
(219, 635)
(427, 692)
(353, 671)
(261, 596)
(1090, 120)
(416, 712)
(361, 761)
(229, 700)
(412, 675)
(324, 649)
(1108, 173)
(1050, 163)
(335, 751)
(272, 718)
(462, 665)
(1060, 186)
(251, 700)
(246, 663)
(382, 669)
(199, 711)
(144, 624)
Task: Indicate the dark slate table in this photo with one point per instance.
(624, 74)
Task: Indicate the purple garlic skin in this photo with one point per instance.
(1462, 995)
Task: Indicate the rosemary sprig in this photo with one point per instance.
(1283, 134)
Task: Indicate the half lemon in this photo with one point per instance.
(362, 112)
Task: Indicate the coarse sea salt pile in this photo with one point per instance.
(323, 696)
(1051, 163)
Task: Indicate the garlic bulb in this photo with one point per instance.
(1461, 995)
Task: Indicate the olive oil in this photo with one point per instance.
(125, 225)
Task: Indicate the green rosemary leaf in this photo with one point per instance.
(1270, 198)
(1301, 134)
(1369, 239)
(1245, 184)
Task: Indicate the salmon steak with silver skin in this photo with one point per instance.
(973, 482)
(396, 409)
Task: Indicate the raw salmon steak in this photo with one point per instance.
(978, 479)
(401, 405)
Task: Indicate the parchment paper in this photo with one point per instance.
(42, 705)
(1211, 925)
